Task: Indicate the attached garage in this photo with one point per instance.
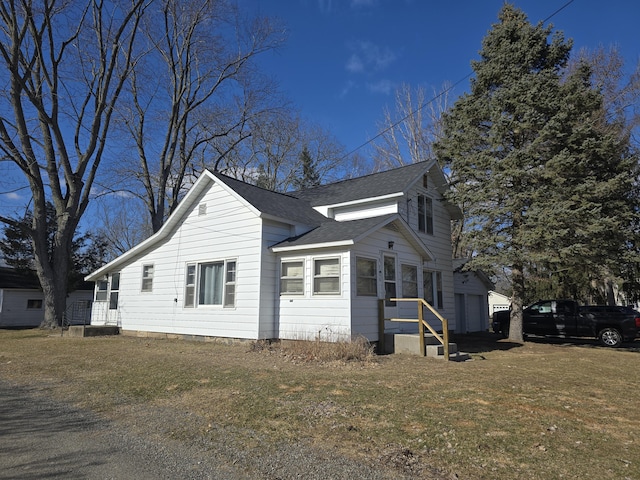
(471, 295)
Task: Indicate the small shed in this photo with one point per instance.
(22, 301)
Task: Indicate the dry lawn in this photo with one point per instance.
(542, 410)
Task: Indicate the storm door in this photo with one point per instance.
(390, 285)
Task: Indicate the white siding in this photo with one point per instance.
(229, 230)
(273, 233)
(367, 210)
(439, 244)
(365, 308)
(309, 316)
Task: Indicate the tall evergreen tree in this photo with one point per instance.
(308, 176)
(544, 178)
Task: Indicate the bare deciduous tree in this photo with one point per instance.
(271, 157)
(407, 133)
(64, 65)
(198, 85)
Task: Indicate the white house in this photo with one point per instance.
(471, 289)
(238, 261)
(22, 301)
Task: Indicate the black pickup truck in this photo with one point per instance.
(611, 325)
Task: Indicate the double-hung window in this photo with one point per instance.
(432, 282)
(115, 289)
(147, 278)
(409, 281)
(210, 283)
(292, 277)
(102, 287)
(326, 276)
(425, 214)
(366, 278)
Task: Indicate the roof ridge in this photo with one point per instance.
(368, 175)
(217, 172)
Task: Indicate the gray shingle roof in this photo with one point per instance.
(374, 185)
(275, 204)
(332, 231)
(12, 278)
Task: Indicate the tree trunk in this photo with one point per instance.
(52, 263)
(55, 298)
(517, 303)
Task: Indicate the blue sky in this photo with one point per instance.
(344, 58)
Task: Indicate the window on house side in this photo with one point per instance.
(34, 304)
(292, 277)
(210, 283)
(230, 285)
(115, 289)
(432, 282)
(425, 214)
(147, 278)
(101, 290)
(190, 287)
(409, 281)
(326, 276)
(366, 278)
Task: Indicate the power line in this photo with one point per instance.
(433, 99)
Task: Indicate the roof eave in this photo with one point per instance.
(311, 246)
(164, 231)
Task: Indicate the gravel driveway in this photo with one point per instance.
(43, 438)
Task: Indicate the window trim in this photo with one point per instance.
(368, 278)
(146, 277)
(192, 290)
(293, 278)
(390, 284)
(317, 276)
(102, 294)
(425, 214)
(229, 288)
(405, 294)
(114, 291)
(437, 294)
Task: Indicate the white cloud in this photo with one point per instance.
(368, 57)
(12, 196)
(384, 86)
(355, 64)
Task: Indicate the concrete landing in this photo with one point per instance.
(410, 343)
(92, 330)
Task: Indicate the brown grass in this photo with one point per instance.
(542, 410)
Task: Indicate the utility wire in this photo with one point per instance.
(433, 99)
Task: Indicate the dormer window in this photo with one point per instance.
(425, 181)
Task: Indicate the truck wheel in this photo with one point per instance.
(610, 337)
